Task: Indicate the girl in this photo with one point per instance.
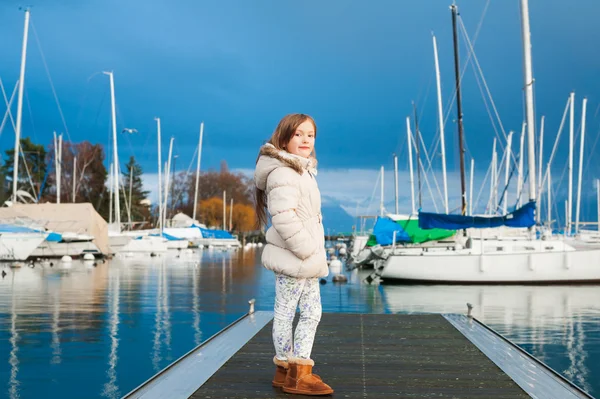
(295, 250)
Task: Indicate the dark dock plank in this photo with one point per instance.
(373, 356)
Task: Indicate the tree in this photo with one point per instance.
(212, 184)
(132, 183)
(32, 168)
(243, 215)
(90, 175)
(211, 212)
(244, 218)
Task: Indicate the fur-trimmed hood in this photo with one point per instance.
(270, 158)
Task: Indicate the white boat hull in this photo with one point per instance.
(19, 246)
(59, 249)
(122, 243)
(536, 264)
(218, 242)
(177, 244)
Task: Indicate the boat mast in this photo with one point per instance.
(410, 166)
(417, 139)
(441, 122)
(461, 148)
(396, 182)
(571, 147)
(160, 204)
(540, 181)
(581, 145)
(20, 107)
(115, 150)
(508, 156)
(198, 170)
(528, 83)
(381, 205)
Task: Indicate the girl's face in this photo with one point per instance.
(302, 142)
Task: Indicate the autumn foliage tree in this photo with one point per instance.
(210, 198)
(242, 216)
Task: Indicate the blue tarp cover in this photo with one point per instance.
(208, 233)
(54, 237)
(384, 232)
(522, 217)
(11, 228)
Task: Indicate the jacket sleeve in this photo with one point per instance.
(283, 198)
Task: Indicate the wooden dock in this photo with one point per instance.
(371, 356)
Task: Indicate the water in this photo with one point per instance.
(94, 332)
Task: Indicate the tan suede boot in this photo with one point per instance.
(300, 379)
(280, 372)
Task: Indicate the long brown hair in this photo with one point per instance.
(281, 137)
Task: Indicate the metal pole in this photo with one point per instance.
(231, 216)
(110, 203)
(56, 170)
(508, 156)
(129, 210)
(459, 112)
(115, 150)
(59, 169)
(166, 188)
(396, 182)
(571, 147)
(521, 175)
(410, 165)
(417, 133)
(540, 182)
(471, 187)
(528, 84)
(74, 177)
(549, 195)
(581, 144)
(173, 186)
(20, 107)
(441, 122)
(198, 170)
(160, 187)
(381, 206)
(224, 209)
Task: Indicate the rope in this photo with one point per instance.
(560, 129)
(30, 117)
(425, 174)
(374, 188)
(8, 113)
(472, 50)
(476, 202)
(451, 102)
(62, 116)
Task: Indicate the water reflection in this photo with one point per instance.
(111, 389)
(196, 304)
(55, 345)
(162, 329)
(557, 324)
(14, 338)
(123, 321)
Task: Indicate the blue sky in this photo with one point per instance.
(239, 66)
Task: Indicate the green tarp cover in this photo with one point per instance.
(416, 234)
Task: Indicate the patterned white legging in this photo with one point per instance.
(291, 292)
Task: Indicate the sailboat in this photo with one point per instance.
(126, 242)
(475, 258)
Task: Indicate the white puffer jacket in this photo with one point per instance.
(296, 240)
